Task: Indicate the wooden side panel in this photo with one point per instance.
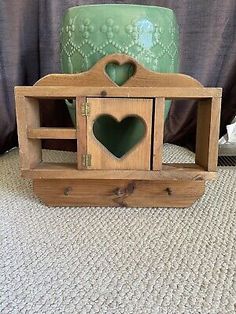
(208, 123)
(27, 112)
(81, 126)
(139, 156)
(122, 193)
(158, 133)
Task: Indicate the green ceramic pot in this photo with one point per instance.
(149, 34)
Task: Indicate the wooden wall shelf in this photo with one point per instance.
(139, 178)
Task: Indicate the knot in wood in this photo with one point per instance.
(103, 93)
(169, 191)
(67, 190)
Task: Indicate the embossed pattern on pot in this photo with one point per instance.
(147, 33)
(147, 37)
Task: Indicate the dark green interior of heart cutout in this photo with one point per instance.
(120, 73)
(119, 136)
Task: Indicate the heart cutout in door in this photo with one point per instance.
(120, 73)
(119, 137)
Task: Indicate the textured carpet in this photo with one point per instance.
(117, 260)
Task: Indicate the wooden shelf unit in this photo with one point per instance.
(108, 181)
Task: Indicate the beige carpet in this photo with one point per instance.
(117, 260)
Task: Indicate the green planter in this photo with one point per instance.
(147, 33)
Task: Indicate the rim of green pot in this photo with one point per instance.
(120, 5)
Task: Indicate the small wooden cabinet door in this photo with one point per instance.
(139, 156)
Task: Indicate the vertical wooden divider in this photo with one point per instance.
(28, 116)
(208, 119)
(81, 129)
(158, 132)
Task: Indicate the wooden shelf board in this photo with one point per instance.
(51, 133)
(151, 92)
(70, 171)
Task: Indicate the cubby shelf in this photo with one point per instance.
(99, 177)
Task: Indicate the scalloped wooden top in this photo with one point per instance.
(98, 77)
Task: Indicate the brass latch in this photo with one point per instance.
(85, 109)
(86, 160)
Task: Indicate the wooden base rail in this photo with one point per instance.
(169, 171)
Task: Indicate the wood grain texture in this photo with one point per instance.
(139, 156)
(53, 92)
(121, 193)
(208, 124)
(97, 76)
(158, 130)
(169, 172)
(51, 133)
(27, 112)
(81, 127)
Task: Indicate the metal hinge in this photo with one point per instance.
(86, 160)
(85, 109)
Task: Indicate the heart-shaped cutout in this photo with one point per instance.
(120, 73)
(119, 137)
